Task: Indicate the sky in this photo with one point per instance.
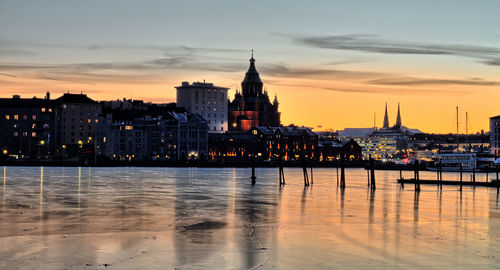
(332, 64)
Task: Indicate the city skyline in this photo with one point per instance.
(335, 71)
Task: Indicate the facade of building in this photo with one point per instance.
(382, 143)
(28, 127)
(173, 136)
(207, 100)
(252, 107)
(78, 124)
(495, 135)
(348, 149)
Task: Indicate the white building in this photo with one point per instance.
(495, 135)
(207, 100)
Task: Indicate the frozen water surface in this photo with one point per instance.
(212, 218)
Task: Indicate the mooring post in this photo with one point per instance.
(487, 175)
(312, 177)
(338, 175)
(372, 172)
(474, 175)
(401, 177)
(441, 174)
(342, 173)
(417, 177)
(461, 176)
(281, 172)
(304, 169)
(253, 171)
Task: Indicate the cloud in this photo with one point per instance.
(376, 44)
(492, 62)
(407, 81)
(8, 75)
(282, 70)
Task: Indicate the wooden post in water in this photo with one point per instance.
(487, 175)
(461, 176)
(416, 176)
(401, 177)
(253, 171)
(498, 180)
(372, 172)
(441, 173)
(312, 178)
(337, 175)
(474, 175)
(342, 173)
(281, 172)
(304, 169)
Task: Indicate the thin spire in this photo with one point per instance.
(398, 118)
(386, 118)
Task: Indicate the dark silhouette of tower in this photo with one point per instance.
(386, 118)
(398, 119)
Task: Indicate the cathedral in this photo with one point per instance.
(251, 107)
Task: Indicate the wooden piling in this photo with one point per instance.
(281, 171)
(441, 174)
(401, 177)
(337, 175)
(416, 176)
(461, 169)
(342, 174)
(304, 169)
(253, 171)
(312, 177)
(474, 175)
(372, 174)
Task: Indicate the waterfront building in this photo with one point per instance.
(348, 149)
(78, 124)
(382, 143)
(207, 100)
(252, 107)
(233, 146)
(170, 136)
(28, 127)
(289, 142)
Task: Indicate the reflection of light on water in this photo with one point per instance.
(4, 182)
(41, 192)
(79, 184)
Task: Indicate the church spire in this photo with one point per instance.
(252, 84)
(398, 119)
(386, 118)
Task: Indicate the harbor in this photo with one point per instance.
(199, 218)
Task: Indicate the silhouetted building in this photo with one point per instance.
(252, 107)
(234, 146)
(28, 127)
(207, 100)
(348, 149)
(291, 142)
(78, 124)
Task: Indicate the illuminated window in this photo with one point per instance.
(97, 120)
(7, 116)
(129, 127)
(50, 110)
(43, 109)
(16, 117)
(16, 134)
(33, 134)
(33, 117)
(89, 120)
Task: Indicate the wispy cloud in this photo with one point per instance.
(377, 44)
(8, 75)
(407, 81)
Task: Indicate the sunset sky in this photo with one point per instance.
(331, 63)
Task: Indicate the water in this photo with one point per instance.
(204, 218)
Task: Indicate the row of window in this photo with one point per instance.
(16, 117)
